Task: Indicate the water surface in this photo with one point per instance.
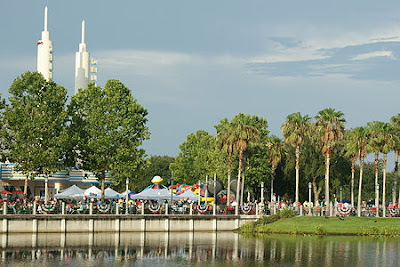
(195, 249)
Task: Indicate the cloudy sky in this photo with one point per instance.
(192, 63)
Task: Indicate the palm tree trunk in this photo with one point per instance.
(26, 189)
(384, 186)
(396, 164)
(272, 181)
(297, 174)
(239, 176)
(327, 164)
(377, 183)
(353, 169)
(228, 199)
(359, 187)
(242, 188)
(243, 178)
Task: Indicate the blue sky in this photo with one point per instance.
(192, 63)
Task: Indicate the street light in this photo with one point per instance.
(46, 190)
(341, 193)
(309, 192)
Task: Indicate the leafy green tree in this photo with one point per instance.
(108, 127)
(330, 125)
(35, 122)
(198, 157)
(294, 131)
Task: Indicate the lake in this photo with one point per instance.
(195, 249)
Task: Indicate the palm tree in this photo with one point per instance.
(389, 140)
(294, 131)
(330, 126)
(395, 120)
(225, 141)
(352, 153)
(375, 146)
(244, 133)
(360, 137)
(276, 151)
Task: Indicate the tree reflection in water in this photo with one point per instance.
(196, 248)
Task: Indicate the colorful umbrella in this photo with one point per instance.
(5, 192)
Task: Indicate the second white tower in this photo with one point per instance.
(82, 64)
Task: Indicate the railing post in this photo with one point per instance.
(34, 207)
(166, 208)
(191, 209)
(63, 208)
(142, 208)
(116, 208)
(214, 209)
(4, 208)
(91, 208)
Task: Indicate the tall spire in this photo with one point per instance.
(45, 51)
(83, 32)
(82, 63)
(46, 18)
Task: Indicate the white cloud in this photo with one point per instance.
(374, 54)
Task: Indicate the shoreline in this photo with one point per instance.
(326, 226)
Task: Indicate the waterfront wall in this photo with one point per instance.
(120, 223)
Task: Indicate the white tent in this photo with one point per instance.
(155, 194)
(110, 193)
(189, 195)
(93, 192)
(72, 192)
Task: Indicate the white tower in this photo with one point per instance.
(45, 51)
(82, 64)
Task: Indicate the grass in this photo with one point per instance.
(326, 226)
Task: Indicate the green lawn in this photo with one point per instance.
(330, 225)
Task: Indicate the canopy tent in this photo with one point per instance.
(72, 192)
(93, 191)
(155, 194)
(111, 193)
(188, 195)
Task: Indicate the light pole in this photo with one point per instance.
(46, 189)
(262, 193)
(341, 193)
(127, 191)
(309, 192)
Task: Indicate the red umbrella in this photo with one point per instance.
(5, 192)
(18, 192)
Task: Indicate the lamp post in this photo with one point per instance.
(127, 190)
(341, 193)
(309, 192)
(262, 193)
(46, 190)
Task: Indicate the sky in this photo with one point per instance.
(193, 63)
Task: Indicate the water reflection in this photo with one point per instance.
(195, 248)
